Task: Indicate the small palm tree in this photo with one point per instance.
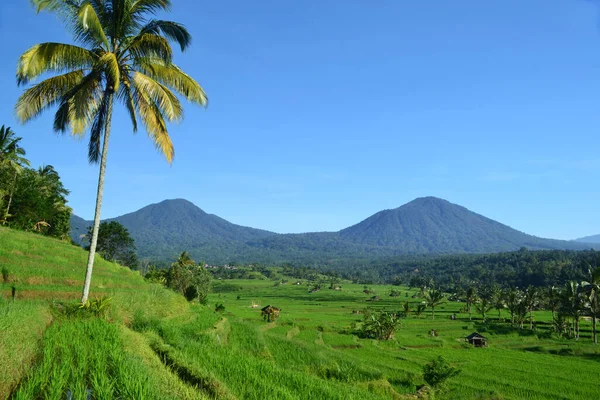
(433, 298)
(484, 305)
(591, 290)
(406, 309)
(124, 55)
(530, 299)
(12, 157)
(572, 304)
(514, 299)
(470, 298)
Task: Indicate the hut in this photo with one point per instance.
(477, 340)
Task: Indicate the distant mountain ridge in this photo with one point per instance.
(426, 225)
(589, 239)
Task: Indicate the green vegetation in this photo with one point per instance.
(152, 343)
(115, 244)
(33, 200)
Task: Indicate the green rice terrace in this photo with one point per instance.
(139, 340)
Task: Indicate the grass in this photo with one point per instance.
(153, 344)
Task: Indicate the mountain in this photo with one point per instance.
(426, 225)
(432, 225)
(164, 229)
(589, 239)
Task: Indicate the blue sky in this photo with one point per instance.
(324, 112)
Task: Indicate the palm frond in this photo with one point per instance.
(97, 131)
(150, 45)
(78, 107)
(45, 94)
(171, 30)
(167, 102)
(154, 123)
(109, 64)
(140, 7)
(126, 96)
(172, 76)
(54, 5)
(57, 57)
(91, 23)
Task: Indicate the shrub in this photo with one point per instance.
(380, 325)
(5, 274)
(191, 293)
(438, 371)
(219, 307)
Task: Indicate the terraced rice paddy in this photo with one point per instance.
(154, 345)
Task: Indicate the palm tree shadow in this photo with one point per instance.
(501, 329)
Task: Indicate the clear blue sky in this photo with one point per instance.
(324, 112)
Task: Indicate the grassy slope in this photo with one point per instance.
(308, 353)
(67, 353)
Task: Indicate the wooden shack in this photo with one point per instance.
(477, 340)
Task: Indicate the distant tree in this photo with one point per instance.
(513, 302)
(498, 301)
(530, 299)
(470, 299)
(179, 277)
(487, 298)
(433, 298)
(115, 244)
(591, 291)
(483, 306)
(552, 299)
(189, 279)
(406, 309)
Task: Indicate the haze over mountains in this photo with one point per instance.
(425, 225)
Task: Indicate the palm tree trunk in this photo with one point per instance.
(10, 197)
(595, 336)
(93, 242)
(531, 318)
(432, 312)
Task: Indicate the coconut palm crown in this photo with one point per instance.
(122, 53)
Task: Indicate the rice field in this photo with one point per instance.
(152, 344)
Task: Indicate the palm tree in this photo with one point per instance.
(514, 298)
(406, 309)
(433, 298)
(8, 143)
(123, 55)
(471, 298)
(572, 304)
(530, 299)
(552, 299)
(498, 301)
(12, 156)
(591, 289)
